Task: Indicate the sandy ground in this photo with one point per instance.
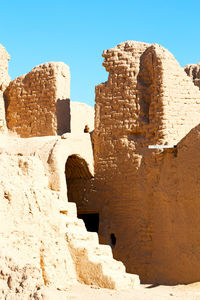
(144, 292)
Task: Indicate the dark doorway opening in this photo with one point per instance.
(91, 221)
(113, 240)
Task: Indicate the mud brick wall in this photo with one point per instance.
(38, 103)
(147, 99)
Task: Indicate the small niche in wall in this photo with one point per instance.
(112, 240)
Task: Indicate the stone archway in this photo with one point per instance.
(78, 178)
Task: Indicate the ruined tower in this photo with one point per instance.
(147, 100)
(38, 103)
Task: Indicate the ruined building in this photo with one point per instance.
(148, 200)
(143, 202)
(43, 243)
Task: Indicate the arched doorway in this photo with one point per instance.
(78, 180)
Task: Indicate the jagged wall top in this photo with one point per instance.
(147, 99)
(147, 93)
(4, 77)
(4, 81)
(38, 103)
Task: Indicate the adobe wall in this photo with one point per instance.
(38, 103)
(148, 99)
(175, 207)
(4, 81)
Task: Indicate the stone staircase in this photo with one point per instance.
(94, 262)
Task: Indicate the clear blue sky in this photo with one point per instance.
(77, 32)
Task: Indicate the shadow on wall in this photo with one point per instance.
(6, 102)
(144, 84)
(91, 221)
(63, 116)
(78, 178)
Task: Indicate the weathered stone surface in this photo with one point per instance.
(31, 224)
(173, 198)
(148, 99)
(18, 281)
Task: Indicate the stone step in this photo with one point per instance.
(76, 233)
(72, 221)
(135, 279)
(104, 250)
(108, 263)
(92, 271)
(93, 247)
(85, 245)
(69, 209)
(94, 262)
(121, 281)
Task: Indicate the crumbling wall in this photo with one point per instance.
(4, 81)
(178, 97)
(32, 229)
(193, 70)
(148, 99)
(38, 103)
(175, 212)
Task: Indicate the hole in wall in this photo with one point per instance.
(91, 221)
(112, 240)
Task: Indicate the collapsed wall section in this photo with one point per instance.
(38, 103)
(32, 229)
